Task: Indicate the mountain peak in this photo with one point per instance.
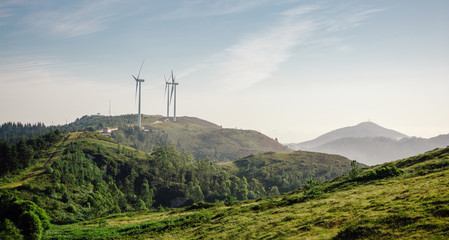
(369, 123)
(361, 130)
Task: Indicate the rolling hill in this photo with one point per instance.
(405, 199)
(371, 144)
(84, 175)
(199, 137)
(204, 139)
(289, 171)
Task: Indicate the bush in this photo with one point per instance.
(20, 207)
(71, 208)
(8, 230)
(229, 200)
(312, 189)
(200, 205)
(383, 172)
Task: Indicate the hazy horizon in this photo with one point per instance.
(292, 70)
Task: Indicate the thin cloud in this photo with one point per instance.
(258, 56)
(36, 70)
(7, 9)
(206, 8)
(72, 21)
(346, 21)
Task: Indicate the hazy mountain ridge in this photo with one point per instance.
(371, 144)
(361, 130)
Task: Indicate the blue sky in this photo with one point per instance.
(290, 69)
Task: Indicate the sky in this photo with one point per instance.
(290, 69)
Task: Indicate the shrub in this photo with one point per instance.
(8, 230)
(71, 208)
(312, 189)
(381, 173)
(65, 197)
(229, 200)
(200, 205)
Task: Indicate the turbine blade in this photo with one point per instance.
(140, 69)
(165, 91)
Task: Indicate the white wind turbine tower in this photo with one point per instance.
(173, 88)
(167, 92)
(139, 84)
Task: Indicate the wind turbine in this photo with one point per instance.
(139, 84)
(173, 88)
(167, 92)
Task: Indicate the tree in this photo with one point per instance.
(274, 191)
(355, 171)
(194, 192)
(147, 193)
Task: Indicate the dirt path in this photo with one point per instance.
(33, 174)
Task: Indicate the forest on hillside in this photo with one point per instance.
(89, 175)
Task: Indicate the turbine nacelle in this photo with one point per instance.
(170, 93)
(138, 80)
(138, 86)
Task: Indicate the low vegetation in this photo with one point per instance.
(85, 185)
(410, 203)
(85, 175)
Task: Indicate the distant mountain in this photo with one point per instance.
(371, 144)
(373, 151)
(364, 129)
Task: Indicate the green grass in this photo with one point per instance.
(413, 205)
(204, 139)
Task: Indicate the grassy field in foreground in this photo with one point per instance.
(412, 205)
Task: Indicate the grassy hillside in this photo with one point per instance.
(204, 139)
(85, 175)
(199, 137)
(406, 199)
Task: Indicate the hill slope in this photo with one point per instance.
(290, 171)
(204, 139)
(199, 137)
(83, 175)
(406, 199)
